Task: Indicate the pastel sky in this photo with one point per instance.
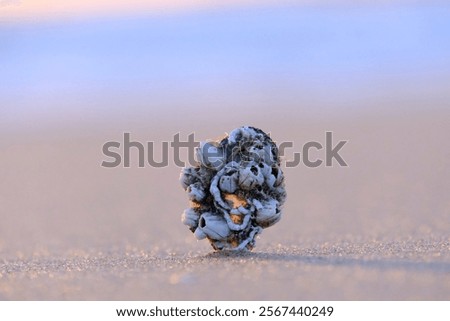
(326, 56)
(51, 9)
(13, 10)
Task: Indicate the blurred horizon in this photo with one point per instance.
(327, 59)
(50, 10)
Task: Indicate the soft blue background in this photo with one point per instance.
(294, 57)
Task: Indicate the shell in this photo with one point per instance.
(214, 227)
(195, 192)
(250, 177)
(237, 189)
(228, 183)
(190, 218)
(267, 213)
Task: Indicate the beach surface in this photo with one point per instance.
(377, 229)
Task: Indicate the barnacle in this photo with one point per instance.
(235, 190)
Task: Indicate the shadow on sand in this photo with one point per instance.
(324, 260)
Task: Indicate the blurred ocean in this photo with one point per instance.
(321, 60)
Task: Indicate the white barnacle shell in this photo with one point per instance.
(195, 192)
(267, 212)
(237, 134)
(213, 226)
(261, 153)
(250, 177)
(265, 169)
(188, 176)
(228, 183)
(190, 218)
(199, 234)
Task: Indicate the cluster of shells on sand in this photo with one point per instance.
(235, 190)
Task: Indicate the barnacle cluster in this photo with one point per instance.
(235, 190)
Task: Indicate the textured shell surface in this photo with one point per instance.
(236, 189)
